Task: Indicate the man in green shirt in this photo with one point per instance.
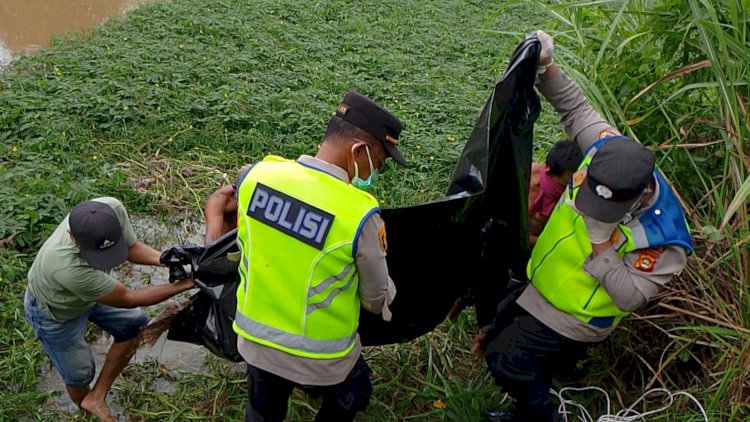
(68, 287)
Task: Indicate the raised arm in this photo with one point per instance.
(582, 122)
(220, 212)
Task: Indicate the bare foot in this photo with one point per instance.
(97, 408)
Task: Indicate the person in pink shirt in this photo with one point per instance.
(548, 182)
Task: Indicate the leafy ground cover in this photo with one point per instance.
(155, 108)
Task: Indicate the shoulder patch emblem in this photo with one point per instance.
(647, 259)
(382, 238)
(578, 177)
(605, 133)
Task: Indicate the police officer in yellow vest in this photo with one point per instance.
(313, 252)
(614, 239)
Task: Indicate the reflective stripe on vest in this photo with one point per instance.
(556, 264)
(290, 341)
(346, 273)
(303, 301)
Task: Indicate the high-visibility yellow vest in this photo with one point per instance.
(297, 230)
(556, 264)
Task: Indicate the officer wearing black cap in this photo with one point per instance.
(68, 287)
(615, 238)
(313, 250)
(373, 119)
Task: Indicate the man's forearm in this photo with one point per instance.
(628, 291)
(151, 295)
(214, 224)
(122, 297)
(143, 254)
(373, 297)
(220, 212)
(599, 248)
(379, 301)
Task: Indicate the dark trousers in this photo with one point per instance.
(268, 395)
(524, 357)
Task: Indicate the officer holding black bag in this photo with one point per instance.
(313, 250)
(615, 238)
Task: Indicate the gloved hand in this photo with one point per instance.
(180, 272)
(599, 232)
(180, 259)
(545, 55)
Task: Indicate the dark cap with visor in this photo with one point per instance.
(373, 119)
(98, 234)
(618, 174)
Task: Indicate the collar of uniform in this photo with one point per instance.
(324, 166)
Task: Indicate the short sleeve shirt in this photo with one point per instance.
(63, 283)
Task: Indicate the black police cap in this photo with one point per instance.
(373, 119)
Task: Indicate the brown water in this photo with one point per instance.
(27, 25)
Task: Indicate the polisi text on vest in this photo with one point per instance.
(290, 215)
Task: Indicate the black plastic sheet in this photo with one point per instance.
(207, 319)
(472, 240)
(469, 243)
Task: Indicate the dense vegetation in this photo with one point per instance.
(154, 108)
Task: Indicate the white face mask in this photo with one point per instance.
(358, 182)
(637, 205)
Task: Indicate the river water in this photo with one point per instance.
(27, 25)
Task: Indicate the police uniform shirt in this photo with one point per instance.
(631, 281)
(376, 292)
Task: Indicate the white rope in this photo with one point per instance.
(625, 415)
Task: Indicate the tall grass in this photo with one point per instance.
(674, 75)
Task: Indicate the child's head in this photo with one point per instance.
(563, 160)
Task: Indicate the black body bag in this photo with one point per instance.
(207, 319)
(472, 242)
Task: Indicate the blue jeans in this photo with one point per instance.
(65, 341)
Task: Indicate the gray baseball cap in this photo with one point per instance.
(617, 175)
(98, 233)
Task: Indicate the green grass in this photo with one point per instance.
(155, 108)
